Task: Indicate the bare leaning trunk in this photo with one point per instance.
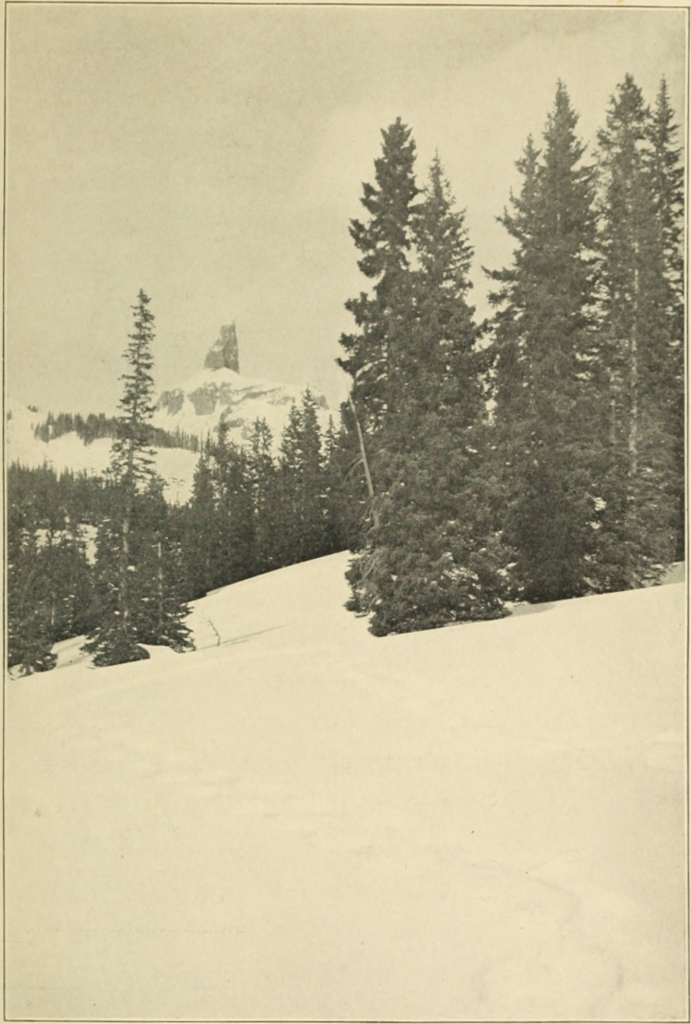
(159, 583)
(365, 463)
(123, 602)
(633, 424)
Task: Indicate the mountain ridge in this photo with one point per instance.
(218, 391)
(195, 407)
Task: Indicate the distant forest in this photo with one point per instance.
(535, 456)
(97, 425)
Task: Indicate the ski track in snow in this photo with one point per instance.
(484, 822)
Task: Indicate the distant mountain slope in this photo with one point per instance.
(195, 407)
(219, 390)
(69, 452)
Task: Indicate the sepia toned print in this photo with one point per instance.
(344, 439)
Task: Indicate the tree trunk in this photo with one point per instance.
(159, 581)
(633, 425)
(123, 603)
(365, 463)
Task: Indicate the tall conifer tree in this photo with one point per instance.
(545, 350)
(432, 554)
(385, 241)
(302, 481)
(667, 173)
(641, 325)
(123, 568)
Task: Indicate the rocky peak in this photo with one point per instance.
(224, 353)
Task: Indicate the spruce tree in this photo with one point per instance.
(433, 555)
(123, 564)
(641, 326)
(303, 485)
(234, 521)
(201, 540)
(667, 174)
(545, 350)
(161, 603)
(29, 636)
(385, 241)
(263, 482)
(49, 579)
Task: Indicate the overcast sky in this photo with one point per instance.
(213, 155)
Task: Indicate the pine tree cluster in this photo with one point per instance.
(540, 455)
(252, 511)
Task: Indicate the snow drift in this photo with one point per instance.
(302, 821)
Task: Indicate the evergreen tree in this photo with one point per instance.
(639, 242)
(667, 174)
(303, 485)
(201, 538)
(385, 241)
(132, 457)
(67, 583)
(263, 482)
(545, 349)
(160, 578)
(123, 563)
(341, 507)
(433, 554)
(29, 637)
(234, 521)
(49, 586)
(444, 367)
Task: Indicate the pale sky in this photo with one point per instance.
(214, 155)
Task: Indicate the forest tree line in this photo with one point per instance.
(251, 510)
(538, 455)
(95, 426)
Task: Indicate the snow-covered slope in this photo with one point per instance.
(175, 465)
(301, 821)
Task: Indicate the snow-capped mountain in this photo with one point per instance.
(195, 407)
(220, 391)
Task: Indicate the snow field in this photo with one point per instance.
(484, 822)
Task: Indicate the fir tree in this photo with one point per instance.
(339, 507)
(132, 457)
(641, 326)
(235, 549)
(303, 485)
(385, 241)
(123, 564)
(546, 384)
(667, 176)
(433, 555)
(263, 482)
(346, 485)
(161, 608)
(29, 637)
(201, 538)
(48, 576)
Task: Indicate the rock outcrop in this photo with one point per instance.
(224, 353)
(219, 391)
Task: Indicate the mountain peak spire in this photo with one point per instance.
(224, 352)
